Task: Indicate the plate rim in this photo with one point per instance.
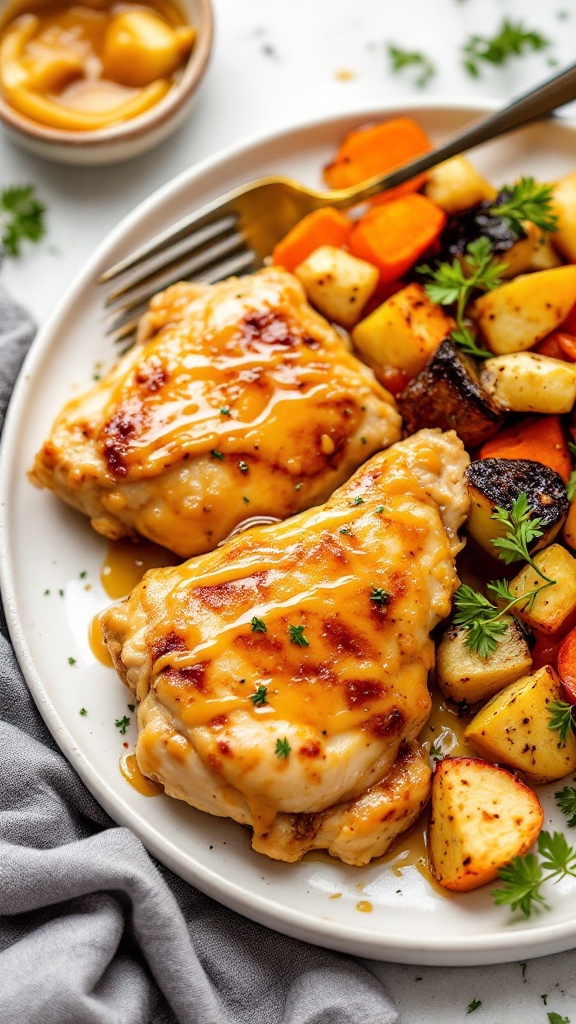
(461, 950)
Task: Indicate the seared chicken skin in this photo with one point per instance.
(282, 679)
(239, 400)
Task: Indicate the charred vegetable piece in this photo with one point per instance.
(497, 483)
(481, 818)
(478, 222)
(448, 394)
(463, 675)
(514, 729)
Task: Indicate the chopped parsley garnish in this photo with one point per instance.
(21, 217)
(225, 411)
(379, 509)
(245, 499)
(358, 501)
(46, 593)
(344, 529)
(523, 877)
(401, 59)
(131, 707)
(362, 439)
(260, 697)
(71, 660)
(122, 724)
(296, 634)
(379, 596)
(473, 1005)
(258, 625)
(83, 574)
(217, 455)
(561, 719)
(282, 748)
(82, 711)
(511, 40)
(555, 1018)
(243, 466)
(566, 801)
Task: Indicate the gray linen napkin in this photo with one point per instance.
(96, 932)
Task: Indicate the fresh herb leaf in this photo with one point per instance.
(379, 596)
(555, 1018)
(571, 486)
(258, 625)
(480, 618)
(296, 634)
(21, 217)
(260, 697)
(224, 411)
(282, 748)
(122, 724)
(401, 59)
(358, 500)
(82, 711)
(216, 454)
(452, 284)
(473, 1005)
(379, 509)
(71, 660)
(511, 40)
(523, 877)
(521, 529)
(566, 801)
(527, 200)
(561, 718)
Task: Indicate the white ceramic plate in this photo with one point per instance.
(46, 547)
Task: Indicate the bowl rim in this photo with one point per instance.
(167, 108)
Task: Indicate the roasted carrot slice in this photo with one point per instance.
(326, 226)
(538, 438)
(394, 235)
(567, 665)
(375, 149)
(558, 345)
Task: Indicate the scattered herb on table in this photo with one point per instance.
(523, 877)
(21, 218)
(511, 40)
(473, 1005)
(71, 660)
(282, 747)
(122, 724)
(401, 59)
(82, 711)
(555, 1018)
(131, 707)
(566, 801)
(257, 625)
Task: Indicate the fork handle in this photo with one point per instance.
(534, 104)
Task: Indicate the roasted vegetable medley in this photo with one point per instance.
(460, 294)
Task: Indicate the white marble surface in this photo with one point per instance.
(277, 62)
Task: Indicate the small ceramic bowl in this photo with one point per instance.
(129, 138)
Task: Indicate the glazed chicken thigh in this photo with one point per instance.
(282, 678)
(238, 400)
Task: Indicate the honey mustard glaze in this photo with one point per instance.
(130, 771)
(85, 66)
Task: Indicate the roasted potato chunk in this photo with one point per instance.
(403, 332)
(463, 675)
(519, 314)
(564, 200)
(337, 284)
(555, 603)
(481, 818)
(529, 382)
(456, 185)
(514, 729)
(499, 482)
(448, 394)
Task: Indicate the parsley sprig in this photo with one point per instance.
(571, 486)
(566, 801)
(453, 284)
(511, 40)
(483, 620)
(527, 200)
(21, 217)
(401, 59)
(522, 879)
(561, 719)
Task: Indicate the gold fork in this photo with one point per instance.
(235, 233)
